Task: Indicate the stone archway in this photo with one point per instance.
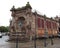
(21, 23)
(22, 26)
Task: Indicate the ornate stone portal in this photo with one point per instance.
(21, 22)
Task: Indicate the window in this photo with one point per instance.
(21, 21)
(39, 23)
(42, 23)
(54, 25)
(48, 24)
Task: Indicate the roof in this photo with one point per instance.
(44, 16)
(22, 8)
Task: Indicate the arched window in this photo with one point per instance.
(21, 21)
(38, 22)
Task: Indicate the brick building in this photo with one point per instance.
(58, 20)
(26, 23)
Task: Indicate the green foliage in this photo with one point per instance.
(4, 29)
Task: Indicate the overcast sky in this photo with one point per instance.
(49, 7)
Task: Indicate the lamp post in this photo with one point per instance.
(52, 36)
(46, 36)
(17, 35)
(16, 40)
(52, 40)
(46, 32)
(35, 31)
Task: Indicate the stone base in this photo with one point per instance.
(20, 37)
(21, 41)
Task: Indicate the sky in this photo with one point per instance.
(50, 8)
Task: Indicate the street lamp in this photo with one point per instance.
(16, 40)
(51, 35)
(46, 32)
(17, 35)
(52, 40)
(46, 36)
(35, 30)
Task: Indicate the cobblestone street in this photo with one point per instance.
(39, 43)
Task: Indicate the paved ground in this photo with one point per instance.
(39, 43)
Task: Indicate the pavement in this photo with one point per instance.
(30, 44)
